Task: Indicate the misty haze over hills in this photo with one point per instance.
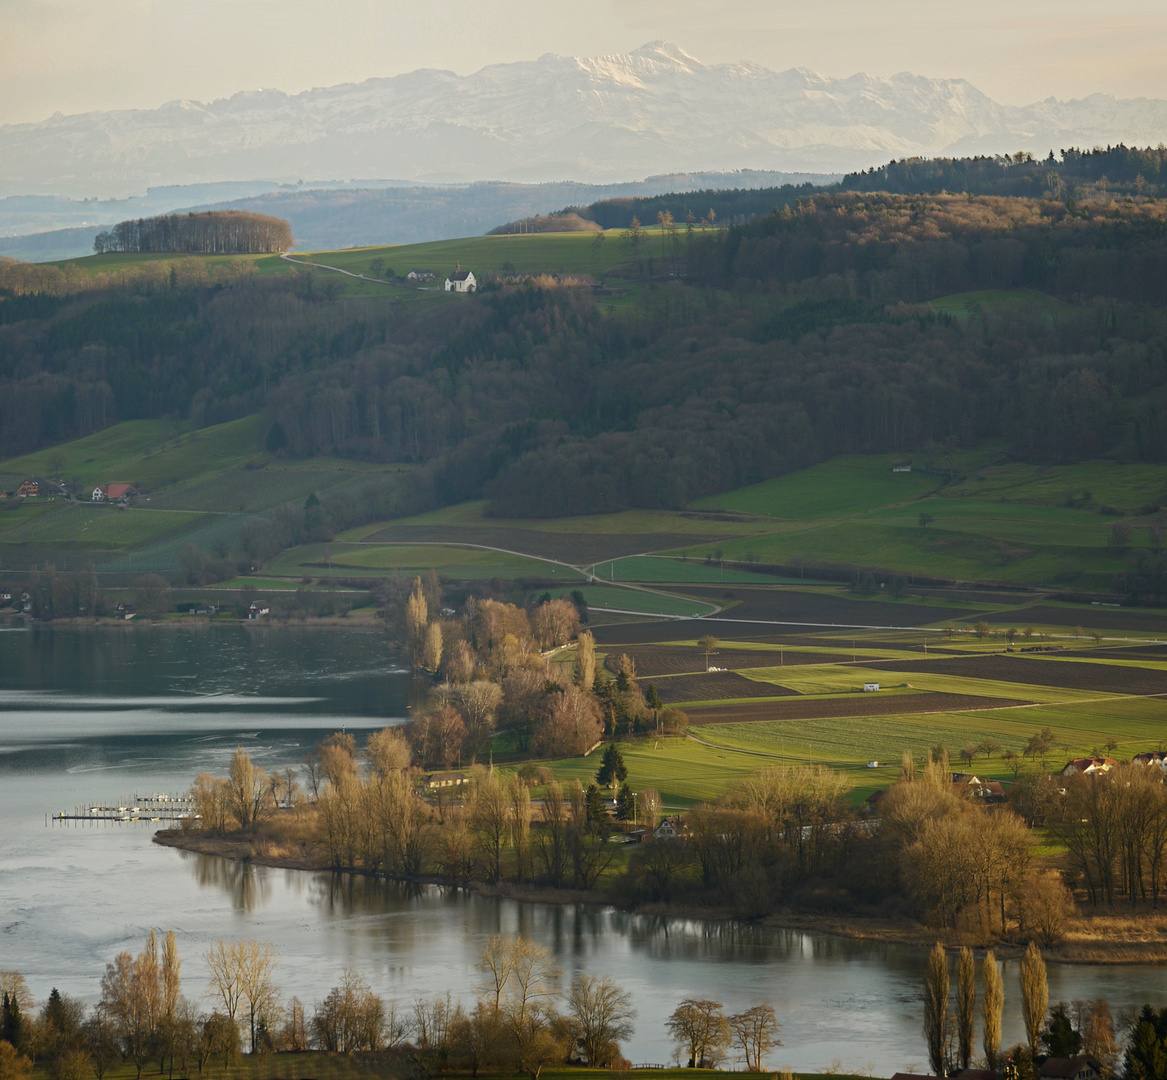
(595, 120)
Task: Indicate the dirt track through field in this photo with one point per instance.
(844, 705)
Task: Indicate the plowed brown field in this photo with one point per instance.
(858, 706)
(1105, 678)
(713, 686)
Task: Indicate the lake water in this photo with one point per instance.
(91, 716)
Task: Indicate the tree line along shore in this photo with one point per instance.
(938, 851)
(520, 1019)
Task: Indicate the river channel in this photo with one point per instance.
(97, 715)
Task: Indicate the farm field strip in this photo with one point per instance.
(673, 570)
(846, 678)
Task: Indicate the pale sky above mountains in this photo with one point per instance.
(80, 55)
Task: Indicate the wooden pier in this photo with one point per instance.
(154, 807)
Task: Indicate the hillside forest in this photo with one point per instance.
(735, 354)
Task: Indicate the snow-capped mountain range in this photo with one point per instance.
(591, 119)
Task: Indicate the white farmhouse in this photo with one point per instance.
(461, 281)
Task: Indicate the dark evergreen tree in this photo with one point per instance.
(12, 1026)
(1060, 1038)
(612, 771)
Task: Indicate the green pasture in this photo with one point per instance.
(532, 253)
(257, 490)
(472, 515)
(1018, 523)
(111, 262)
(378, 560)
(148, 453)
(682, 770)
(1128, 487)
(839, 488)
(1079, 729)
(98, 527)
(164, 555)
(935, 552)
(17, 512)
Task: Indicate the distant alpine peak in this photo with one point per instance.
(654, 110)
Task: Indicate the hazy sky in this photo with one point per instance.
(75, 55)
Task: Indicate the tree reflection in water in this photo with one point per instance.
(248, 886)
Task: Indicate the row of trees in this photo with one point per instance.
(211, 232)
(519, 1019)
(1063, 1031)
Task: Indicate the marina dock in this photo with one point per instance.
(154, 807)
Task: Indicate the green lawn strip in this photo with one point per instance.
(824, 680)
(466, 563)
(15, 513)
(639, 600)
(669, 570)
(838, 488)
(1136, 723)
(682, 770)
(440, 556)
(99, 527)
(471, 515)
(149, 453)
(829, 652)
(274, 584)
(91, 265)
(1109, 661)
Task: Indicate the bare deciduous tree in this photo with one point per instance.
(1034, 994)
(936, 1009)
(601, 1015)
(700, 1030)
(992, 1003)
(755, 1032)
(966, 1005)
(247, 788)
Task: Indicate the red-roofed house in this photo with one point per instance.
(1089, 766)
(1158, 758)
(114, 492)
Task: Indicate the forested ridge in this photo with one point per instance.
(748, 352)
(1074, 175)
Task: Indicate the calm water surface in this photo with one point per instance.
(103, 715)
